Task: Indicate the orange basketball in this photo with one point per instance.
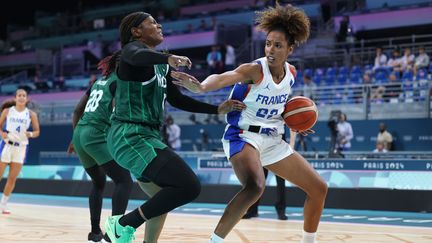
(300, 113)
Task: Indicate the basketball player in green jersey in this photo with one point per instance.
(150, 104)
(89, 142)
(91, 122)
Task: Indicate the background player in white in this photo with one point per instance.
(15, 121)
(252, 138)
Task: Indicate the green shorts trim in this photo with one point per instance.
(133, 145)
(91, 146)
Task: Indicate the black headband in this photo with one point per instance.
(140, 19)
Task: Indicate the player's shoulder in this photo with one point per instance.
(292, 69)
(6, 110)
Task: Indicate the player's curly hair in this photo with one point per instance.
(290, 20)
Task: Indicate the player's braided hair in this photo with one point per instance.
(108, 64)
(288, 19)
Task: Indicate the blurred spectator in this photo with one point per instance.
(59, 83)
(203, 25)
(345, 133)
(214, 60)
(407, 60)
(380, 148)
(173, 132)
(385, 137)
(421, 61)
(343, 29)
(367, 78)
(189, 28)
(345, 34)
(325, 10)
(380, 59)
(309, 87)
(230, 58)
(395, 61)
(204, 140)
(393, 88)
(39, 83)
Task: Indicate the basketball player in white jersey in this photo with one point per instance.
(15, 122)
(252, 138)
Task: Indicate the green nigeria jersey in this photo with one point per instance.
(142, 102)
(98, 109)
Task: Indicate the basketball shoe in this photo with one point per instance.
(4, 209)
(106, 239)
(118, 233)
(94, 238)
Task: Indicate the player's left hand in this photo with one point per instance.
(187, 81)
(305, 132)
(231, 105)
(70, 149)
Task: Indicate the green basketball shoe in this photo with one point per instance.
(118, 233)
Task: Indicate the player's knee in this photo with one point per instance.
(320, 190)
(99, 183)
(193, 189)
(255, 187)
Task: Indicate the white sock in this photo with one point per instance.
(215, 239)
(309, 237)
(4, 199)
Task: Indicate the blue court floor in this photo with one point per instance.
(265, 212)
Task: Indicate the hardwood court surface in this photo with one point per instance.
(35, 223)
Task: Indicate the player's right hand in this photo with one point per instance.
(4, 135)
(187, 81)
(231, 105)
(305, 132)
(179, 61)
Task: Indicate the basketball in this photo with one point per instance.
(300, 113)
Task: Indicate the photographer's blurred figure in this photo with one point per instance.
(385, 137)
(173, 132)
(345, 133)
(380, 148)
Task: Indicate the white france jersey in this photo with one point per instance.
(265, 102)
(17, 124)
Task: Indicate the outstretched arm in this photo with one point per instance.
(136, 54)
(250, 72)
(183, 102)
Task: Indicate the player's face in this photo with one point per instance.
(21, 97)
(277, 48)
(149, 32)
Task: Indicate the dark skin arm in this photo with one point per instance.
(186, 103)
(79, 110)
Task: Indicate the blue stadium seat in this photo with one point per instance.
(368, 67)
(331, 71)
(344, 70)
(356, 69)
(421, 74)
(317, 80)
(356, 78)
(381, 77)
(342, 78)
(319, 72)
(408, 76)
(308, 72)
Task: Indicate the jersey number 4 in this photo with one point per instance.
(93, 102)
